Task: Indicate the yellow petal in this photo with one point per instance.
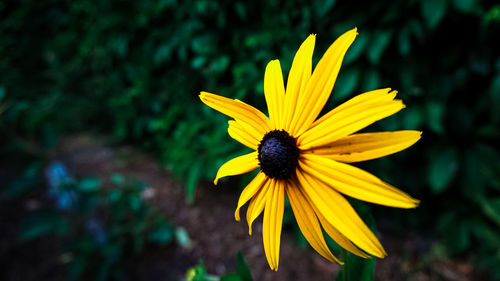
(273, 219)
(266, 227)
(319, 87)
(250, 190)
(239, 111)
(244, 133)
(239, 165)
(379, 95)
(337, 236)
(355, 182)
(337, 211)
(297, 79)
(367, 146)
(274, 91)
(346, 122)
(308, 222)
(257, 204)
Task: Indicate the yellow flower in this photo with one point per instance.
(305, 158)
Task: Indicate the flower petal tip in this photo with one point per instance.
(400, 102)
(412, 203)
(310, 40)
(416, 203)
(381, 254)
(237, 215)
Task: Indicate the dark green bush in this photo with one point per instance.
(134, 69)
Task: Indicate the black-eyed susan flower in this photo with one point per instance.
(305, 158)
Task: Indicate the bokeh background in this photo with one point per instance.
(107, 153)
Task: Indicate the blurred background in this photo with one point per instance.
(107, 154)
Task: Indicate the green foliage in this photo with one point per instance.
(102, 226)
(442, 170)
(198, 273)
(42, 223)
(134, 70)
(433, 11)
(356, 268)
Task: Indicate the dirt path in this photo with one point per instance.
(215, 236)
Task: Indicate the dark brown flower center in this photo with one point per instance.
(278, 154)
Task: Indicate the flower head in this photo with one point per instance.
(305, 158)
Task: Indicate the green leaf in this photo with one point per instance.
(182, 237)
(220, 64)
(380, 41)
(240, 10)
(473, 174)
(417, 29)
(197, 273)
(43, 223)
(198, 62)
(89, 184)
(231, 277)
(242, 268)
(493, 15)
(442, 169)
(203, 44)
(357, 48)
(413, 118)
(163, 53)
(432, 11)
(117, 179)
(346, 83)
(371, 80)
(491, 208)
(114, 196)
(404, 40)
(466, 6)
(163, 234)
(435, 114)
(322, 7)
(242, 271)
(135, 202)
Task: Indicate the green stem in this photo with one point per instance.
(343, 254)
